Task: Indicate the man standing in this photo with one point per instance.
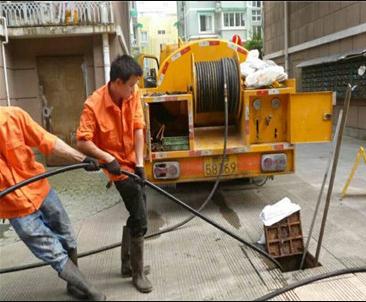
(111, 130)
(35, 211)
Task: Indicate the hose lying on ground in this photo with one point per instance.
(300, 283)
(269, 296)
(175, 199)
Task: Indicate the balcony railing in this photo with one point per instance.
(50, 13)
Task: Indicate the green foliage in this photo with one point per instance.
(255, 43)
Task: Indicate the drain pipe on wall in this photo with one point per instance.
(106, 59)
(4, 60)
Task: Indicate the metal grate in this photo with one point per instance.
(45, 13)
(335, 77)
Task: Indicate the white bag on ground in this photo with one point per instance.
(272, 214)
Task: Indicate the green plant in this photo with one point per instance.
(255, 43)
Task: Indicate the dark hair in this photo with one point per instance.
(123, 67)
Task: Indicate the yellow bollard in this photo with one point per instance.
(360, 154)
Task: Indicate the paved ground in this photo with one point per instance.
(198, 262)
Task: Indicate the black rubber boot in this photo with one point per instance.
(126, 270)
(139, 279)
(72, 275)
(71, 289)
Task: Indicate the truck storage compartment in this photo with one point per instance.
(169, 126)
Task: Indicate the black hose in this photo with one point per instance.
(166, 230)
(214, 188)
(211, 77)
(216, 225)
(41, 176)
(300, 283)
(30, 266)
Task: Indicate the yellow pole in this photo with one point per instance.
(360, 154)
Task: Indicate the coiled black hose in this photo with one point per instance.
(211, 77)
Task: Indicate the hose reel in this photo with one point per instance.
(209, 86)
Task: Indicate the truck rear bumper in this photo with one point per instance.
(206, 168)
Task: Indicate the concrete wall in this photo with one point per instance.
(122, 19)
(98, 61)
(3, 96)
(308, 21)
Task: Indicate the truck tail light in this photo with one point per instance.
(166, 170)
(274, 162)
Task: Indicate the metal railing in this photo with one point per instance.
(50, 13)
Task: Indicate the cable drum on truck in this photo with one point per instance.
(210, 83)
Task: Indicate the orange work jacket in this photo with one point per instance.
(18, 133)
(112, 128)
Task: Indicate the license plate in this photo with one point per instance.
(212, 165)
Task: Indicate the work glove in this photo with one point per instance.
(113, 167)
(140, 172)
(93, 164)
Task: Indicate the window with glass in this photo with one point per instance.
(256, 15)
(256, 4)
(206, 23)
(234, 20)
(257, 31)
(144, 36)
(161, 32)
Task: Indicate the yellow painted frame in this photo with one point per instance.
(360, 154)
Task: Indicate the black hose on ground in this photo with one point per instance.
(300, 283)
(176, 200)
(216, 225)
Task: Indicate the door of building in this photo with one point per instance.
(63, 86)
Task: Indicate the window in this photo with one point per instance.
(256, 4)
(257, 31)
(234, 20)
(161, 32)
(256, 15)
(144, 36)
(206, 23)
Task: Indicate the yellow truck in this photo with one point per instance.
(183, 101)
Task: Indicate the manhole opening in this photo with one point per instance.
(292, 263)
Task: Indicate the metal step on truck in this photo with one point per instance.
(183, 99)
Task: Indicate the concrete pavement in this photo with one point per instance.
(198, 262)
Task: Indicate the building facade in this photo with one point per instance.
(321, 44)
(219, 19)
(57, 53)
(157, 25)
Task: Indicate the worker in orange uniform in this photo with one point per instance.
(112, 130)
(35, 211)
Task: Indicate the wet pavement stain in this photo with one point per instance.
(229, 214)
(155, 222)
